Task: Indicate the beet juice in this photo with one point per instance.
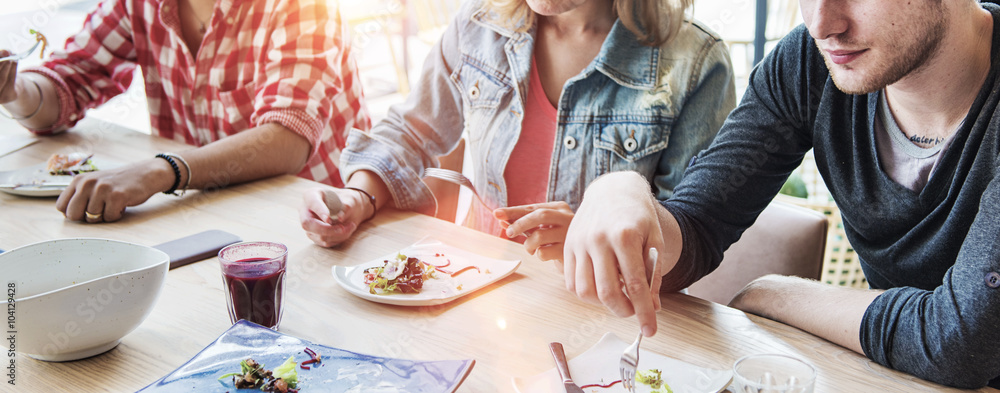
(256, 296)
(254, 276)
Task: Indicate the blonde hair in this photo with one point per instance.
(654, 22)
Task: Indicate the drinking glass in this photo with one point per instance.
(772, 373)
(254, 278)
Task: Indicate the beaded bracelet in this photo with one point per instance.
(370, 199)
(177, 174)
(186, 166)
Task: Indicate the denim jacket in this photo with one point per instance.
(634, 107)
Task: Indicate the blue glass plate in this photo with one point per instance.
(340, 371)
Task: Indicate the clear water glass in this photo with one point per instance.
(773, 373)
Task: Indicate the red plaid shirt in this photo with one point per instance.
(261, 61)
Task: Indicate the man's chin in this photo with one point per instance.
(854, 90)
(849, 79)
(854, 82)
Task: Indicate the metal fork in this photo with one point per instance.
(630, 358)
(629, 361)
(21, 55)
(457, 178)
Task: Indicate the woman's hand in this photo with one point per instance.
(102, 196)
(329, 228)
(8, 75)
(543, 224)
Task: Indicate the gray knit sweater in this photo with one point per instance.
(934, 251)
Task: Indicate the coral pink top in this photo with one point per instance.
(527, 172)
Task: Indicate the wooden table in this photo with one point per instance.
(506, 328)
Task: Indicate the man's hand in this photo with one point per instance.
(329, 228)
(604, 256)
(543, 224)
(102, 196)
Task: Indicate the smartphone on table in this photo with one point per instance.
(196, 247)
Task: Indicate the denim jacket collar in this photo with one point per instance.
(488, 19)
(626, 61)
(622, 58)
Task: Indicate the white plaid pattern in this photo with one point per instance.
(228, 88)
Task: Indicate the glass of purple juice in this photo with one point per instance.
(253, 274)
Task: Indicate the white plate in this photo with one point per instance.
(12, 143)
(439, 290)
(39, 175)
(599, 364)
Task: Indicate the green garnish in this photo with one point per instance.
(287, 372)
(245, 368)
(252, 375)
(654, 379)
(39, 37)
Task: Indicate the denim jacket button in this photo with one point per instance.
(570, 142)
(631, 144)
(474, 91)
(992, 279)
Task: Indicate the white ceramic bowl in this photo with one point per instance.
(76, 298)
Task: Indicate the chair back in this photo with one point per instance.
(786, 239)
(432, 17)
(373, 23)
(841, 265)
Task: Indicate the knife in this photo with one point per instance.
(41, 185)
(563, 367)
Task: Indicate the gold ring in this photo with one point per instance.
(92, 216)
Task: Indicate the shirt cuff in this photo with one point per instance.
(299, 122)
(68, 115)
(689, 268)
(365, 152)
